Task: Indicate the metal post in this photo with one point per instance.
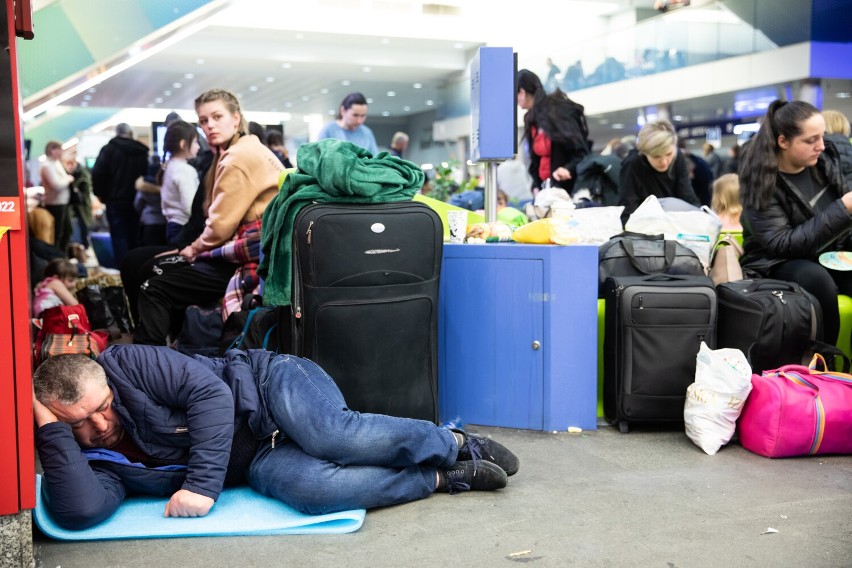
(491, 191)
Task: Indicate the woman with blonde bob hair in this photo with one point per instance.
(655, 167)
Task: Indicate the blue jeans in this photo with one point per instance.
(335, 458)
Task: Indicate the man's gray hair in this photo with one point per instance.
(61, 378)
(123, 129)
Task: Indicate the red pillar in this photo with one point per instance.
(17, 461)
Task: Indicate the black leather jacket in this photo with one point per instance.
(789, 228)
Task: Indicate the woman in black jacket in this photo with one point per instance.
(796, 206)
(656, 167)
(555, 130)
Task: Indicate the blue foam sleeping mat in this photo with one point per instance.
(239, 511)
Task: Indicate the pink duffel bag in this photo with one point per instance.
(797, 411)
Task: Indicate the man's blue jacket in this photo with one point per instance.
(172, 406)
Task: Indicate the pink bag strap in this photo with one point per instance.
(819, 410)
(819, 361)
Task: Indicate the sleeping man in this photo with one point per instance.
(149, 420)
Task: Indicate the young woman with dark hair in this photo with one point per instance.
(350, 126)
(796, 205)
(555, 130)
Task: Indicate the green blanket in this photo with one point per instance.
(329, 171)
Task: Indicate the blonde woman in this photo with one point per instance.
(656, 167)
(726, 202)
(837, 130)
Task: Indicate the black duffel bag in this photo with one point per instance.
(636, 254)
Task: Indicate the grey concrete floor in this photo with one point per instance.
(647, 498)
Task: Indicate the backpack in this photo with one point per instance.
(255, 326)
(201, 331)
(774, 322)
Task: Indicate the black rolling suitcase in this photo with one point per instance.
(365, 302)
(654, 327)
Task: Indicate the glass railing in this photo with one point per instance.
(686, 36)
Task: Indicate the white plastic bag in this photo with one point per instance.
(714, 401)
(597, 225)
(695, 228)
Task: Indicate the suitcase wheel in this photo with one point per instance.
(623, 427)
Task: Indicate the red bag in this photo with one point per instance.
(797, 410)
(68, 343)
(67, 320)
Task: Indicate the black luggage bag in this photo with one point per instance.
(773, 322)
(654, 328)
(365, 302)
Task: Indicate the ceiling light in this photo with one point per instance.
(391, 93)
(288, 105)
(677, 118)
(306, 98)
(843, 95)
(406, 108)
(93, 90)
(385, 41)
(369, 100)
(270, 79)
(253, 88)
(617, 125)
(385, 113)
(87, 97)
(167, 93)
(332, 112)
(366, 69)
(300, 36)
(177, 85)
(188, 76)
(458, 45)
(346, 82)
(158, 100)
(430, 102)
(324, 91)
(200, 61)
(286, 65)
(84, 104)
(417, 85)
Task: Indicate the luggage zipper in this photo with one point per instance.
(780, 295)
(310, 226)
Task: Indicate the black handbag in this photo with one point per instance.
(636, 254)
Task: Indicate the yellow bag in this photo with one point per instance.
(547, 231)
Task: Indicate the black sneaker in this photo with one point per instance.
(479, 448)
(472, 476)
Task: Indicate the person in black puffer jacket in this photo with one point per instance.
(796, 205)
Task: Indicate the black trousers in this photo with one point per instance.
(62, 225)
(824, 284)
(163, 299)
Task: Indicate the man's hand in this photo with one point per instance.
(42, 414)
(185, 503)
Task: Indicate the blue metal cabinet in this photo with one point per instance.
(517, 335)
